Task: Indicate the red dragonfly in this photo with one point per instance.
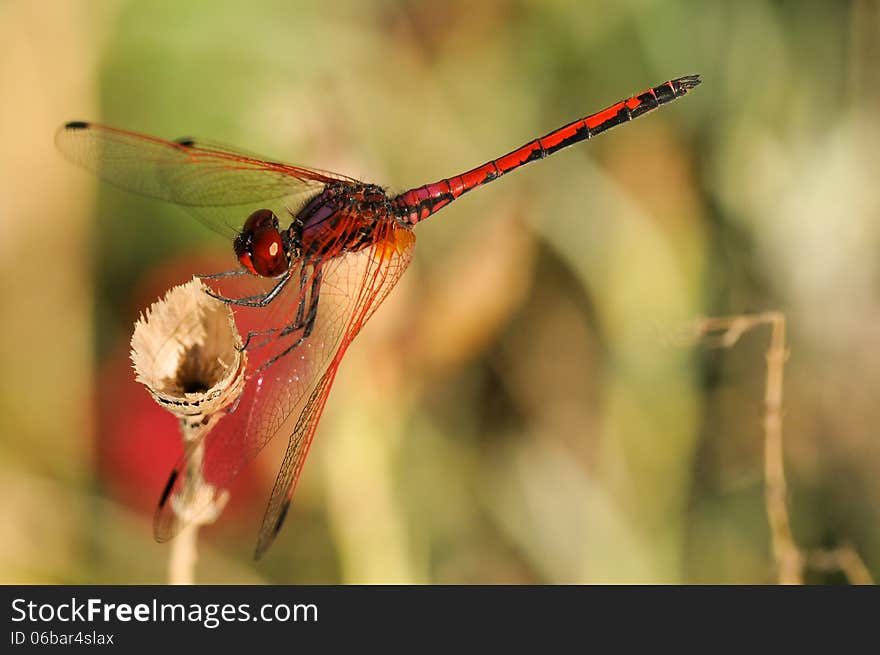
(321, 278)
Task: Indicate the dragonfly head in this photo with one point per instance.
(260, 247)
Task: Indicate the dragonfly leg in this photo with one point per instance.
(215, 276)
(256, 333)
(258, 300)
(307, 325)
(303, 279)
(301, 310)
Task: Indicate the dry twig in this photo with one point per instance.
(791, 561)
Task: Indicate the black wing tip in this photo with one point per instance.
(266, 541)
(185, 141)
(281, 517)
(261, 550)
(167, 490)
(76, 125)
(689, 82)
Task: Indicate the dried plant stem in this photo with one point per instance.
(184, 548)
(189, 503)
(790, 560)
(844, 559)
(183, 557)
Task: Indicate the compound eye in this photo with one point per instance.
(260, 220)
(267, 253)
(259, 246)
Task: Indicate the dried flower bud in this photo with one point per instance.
(187, 351)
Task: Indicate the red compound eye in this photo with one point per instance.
(259, 247)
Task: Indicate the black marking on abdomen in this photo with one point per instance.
(581, 134)
(648, 102)
(621, 117)
(539, 152)
(76, 125)
(665, 93)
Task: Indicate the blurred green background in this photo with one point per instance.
(516, 411)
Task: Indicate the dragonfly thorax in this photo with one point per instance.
(342, 218)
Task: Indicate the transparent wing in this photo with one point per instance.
(217, 184)
(287, 396)
(382, 269)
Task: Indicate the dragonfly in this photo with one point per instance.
(323, 251)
